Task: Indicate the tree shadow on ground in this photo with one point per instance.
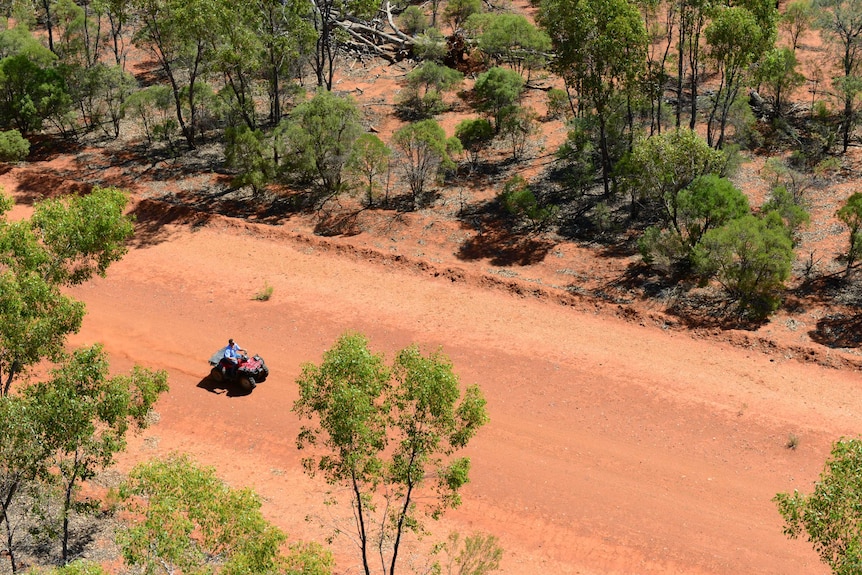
(498, 241)
(226, 388)
(695, 308)
(338, 223)
(841, 293)
(710, 310)
(35, 185)
(84, 531)
(838, 330)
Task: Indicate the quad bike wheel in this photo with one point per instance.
(247, 382)
(216, 374)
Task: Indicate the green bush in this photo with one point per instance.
(751, 258)
(475, 135)
(423, 96)
(520, 201)
(496, 90)
(414, 20)
(430, 45)
(558, 105)
(13, 146)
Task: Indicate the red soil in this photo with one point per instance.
(619, 443)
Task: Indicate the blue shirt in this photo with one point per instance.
(231, 352)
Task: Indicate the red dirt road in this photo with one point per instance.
(612, 448)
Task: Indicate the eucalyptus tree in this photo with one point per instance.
(512, 40)
(693, 17)
(391, 436)
(751, 258)
(660, 167)
(660, 22)
(64, 243)
(178, 33)
(777, 73)
(425, 151)
(24, 460)
(851, 214)
(369, 160)
(118, 14)
(318, 138)
(840, 24)
(735, 41)
(84, 417)
(326, 16)
(600, 48)
(797, 18)
(496, 90)
(829, 515)
(188, 520)
(287, 33)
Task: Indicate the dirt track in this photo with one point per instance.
(613, 448)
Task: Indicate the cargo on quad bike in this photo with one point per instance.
(248, 372)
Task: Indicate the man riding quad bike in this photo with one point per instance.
(232, 364)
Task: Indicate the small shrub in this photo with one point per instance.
(792, 441)
(430, 45)
(414, 20)
(475, 135)
(264, 294)
(558, 105)
(13, 146)
(520, 201)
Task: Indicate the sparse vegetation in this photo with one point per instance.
(265, 293)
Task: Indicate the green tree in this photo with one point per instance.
(195, 523)
(477, 554)
(13, 146)
(789, 207)
(512, 40)
(750, 257)
(152, 106)
(318, 137)
(64, 243)
(840, 24)
(423, 96)
(85, 417)
(24, 459)
(519, 200)
(30, 94)
(600, 48)
(246, 152)
(735, 41)
(497, 89)
(851, 214)
(830, 515)
(413, 20)
(178, 33)
(390, 435)
(659, 167)
(457, 11)
(369, 160)
(425, 150)
(517, 124)
(797, 19)
(709, 202)
(475, 135)
(777, 73)
(287, 37)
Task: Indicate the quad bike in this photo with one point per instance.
(249, 372)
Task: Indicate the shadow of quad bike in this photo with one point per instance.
(248, 373)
